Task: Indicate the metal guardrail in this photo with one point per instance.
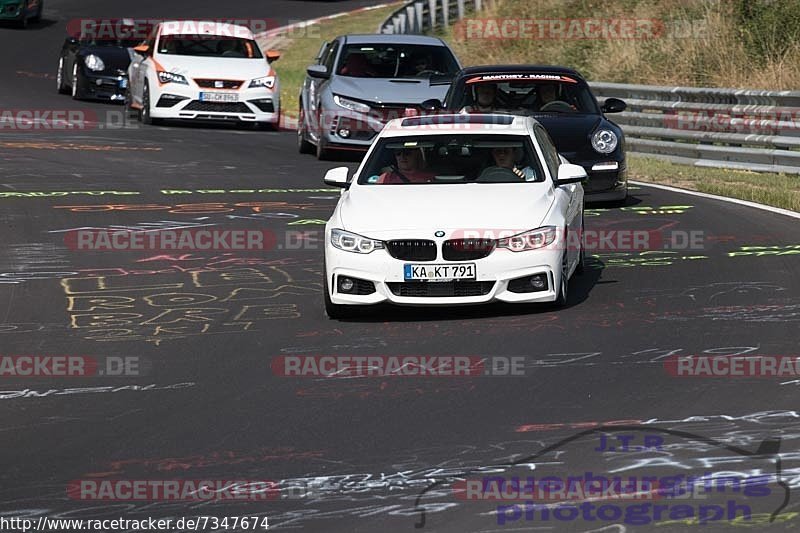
(420, 16)
(726, 128)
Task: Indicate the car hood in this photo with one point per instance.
(228, 68)
(114, 57)
(388, 90)
(382, 211)
(570, 133)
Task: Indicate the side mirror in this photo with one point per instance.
(273, 55)
(337, 177)
(143, 49)
(614, 105)
(568, 173)
(318, 71)
(433, 105)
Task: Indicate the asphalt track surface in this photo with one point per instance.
(210, 407)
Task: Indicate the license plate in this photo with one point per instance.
(439, 272)
(219, 97)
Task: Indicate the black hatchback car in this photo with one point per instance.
(95, 69)
(561, 100)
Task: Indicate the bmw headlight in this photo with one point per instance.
(267, 82)
(171, 77)
(604, 141)
(529, 240)
(351, 242)
(352, 105)
(94, 63)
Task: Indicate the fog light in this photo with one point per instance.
(346, 284)
(538, 282)
(344, 133)
(98, 82)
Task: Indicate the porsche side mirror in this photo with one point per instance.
(568, 173)
(337, 177)
(614, 105)
(318, 71)
(432, 105)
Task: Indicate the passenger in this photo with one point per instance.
(409, 169)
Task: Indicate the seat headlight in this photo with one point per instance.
(352, 105)
(352, 242)
(529, 240)
(94, 63)
(267, 82)
(171, 77)
(604, 141)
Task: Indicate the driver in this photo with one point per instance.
(485, 99)
(505, 157)
(409, 169)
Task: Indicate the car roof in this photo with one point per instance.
(499, 124)
(205, 27)
(513, 69)
(378, 38)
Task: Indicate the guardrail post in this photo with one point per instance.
(446, 12)
(402, 22)
(478, 5)
(411, 18)
(432, 12)
(460, 9)
(420, 26)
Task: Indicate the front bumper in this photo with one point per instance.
(605, 183)
(497, 270)
(175, 101)
(102, 87)
(13, 11)
(347, 129)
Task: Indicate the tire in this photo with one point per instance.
(76, 73)
(303, 146)
(336, 311)
(563, 288)
(38, 16)
(581, 268)
(62, 89)
(145, 115)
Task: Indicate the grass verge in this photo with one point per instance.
(778, 190)
(299, 48)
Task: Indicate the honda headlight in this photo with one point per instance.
(351, 242)
(267, 82)
(529, 240)
(352, 105)
(604, 141)
(171, 77)
(94, 63)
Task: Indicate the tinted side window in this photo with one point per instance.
(331, 57)
(549, 151)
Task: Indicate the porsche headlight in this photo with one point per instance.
(351, 242)
(529, 240)
(352, 105)
(604, 141)
(94, 63)
(267, 82)
(171, 77)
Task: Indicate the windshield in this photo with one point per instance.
(95, 41)
(449, 159)
(560, 94)
(209, 46)
(396, 61)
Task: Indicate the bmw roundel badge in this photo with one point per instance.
(439, 233)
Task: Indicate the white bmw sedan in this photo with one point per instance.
(455, 209)
(203, 70)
